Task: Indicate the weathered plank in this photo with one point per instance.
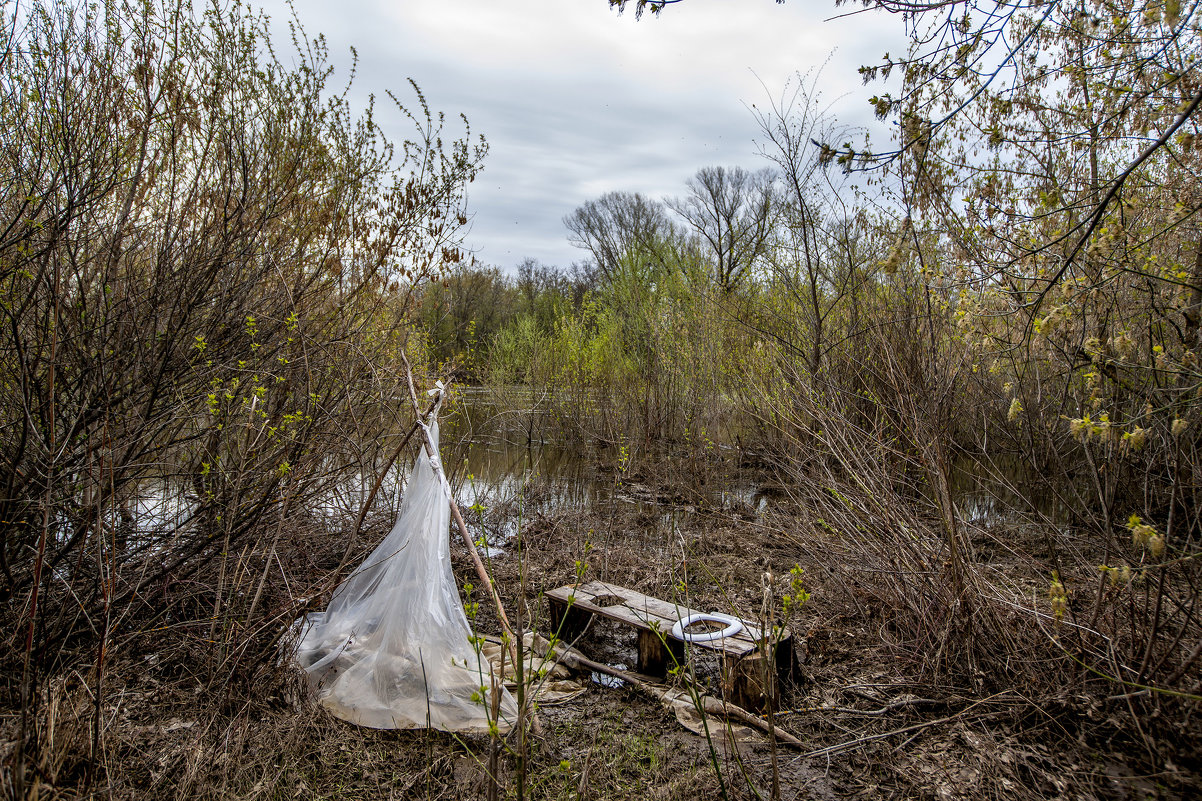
(643, 611)
(572, 605)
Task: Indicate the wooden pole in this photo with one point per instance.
(709, 705)
(350, 544)
(481, 571)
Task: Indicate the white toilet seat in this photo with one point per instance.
(733, 627)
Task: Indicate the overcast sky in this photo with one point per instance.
(576, 101)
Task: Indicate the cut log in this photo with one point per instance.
(751, 680)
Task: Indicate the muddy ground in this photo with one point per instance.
(183, 714)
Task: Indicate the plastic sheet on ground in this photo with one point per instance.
(552, 683)
(681, 704)
(394, 649)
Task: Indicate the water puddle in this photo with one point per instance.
(608, 681)
(504, 469)
(497, 454)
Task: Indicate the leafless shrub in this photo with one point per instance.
(205, 267)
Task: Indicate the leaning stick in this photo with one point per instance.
(350, 545)
(535, 724)
(710, 705)
(483, 574)
(481, 571)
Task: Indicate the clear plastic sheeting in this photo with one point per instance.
(394, 649)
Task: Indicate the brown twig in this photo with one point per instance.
(372, 495)
(849, 745)
(709, 705)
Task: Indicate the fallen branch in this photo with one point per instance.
(849, 745)
(709, 705)
(481, 571)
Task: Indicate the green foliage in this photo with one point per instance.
(204, 280)
(797, 596)
(644, 356)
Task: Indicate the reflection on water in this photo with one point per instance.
(160, 506)
(487, 469)
(499, 445)
(499, 452)
(1006, 490)
(496, 444)
(498, 455)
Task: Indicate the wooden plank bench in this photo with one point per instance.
(572, 607)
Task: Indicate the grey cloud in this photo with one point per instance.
(575, 102)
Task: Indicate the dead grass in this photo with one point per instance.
(181, 718)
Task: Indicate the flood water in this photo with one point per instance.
(495, 444)
(499, 453)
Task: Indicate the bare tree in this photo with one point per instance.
(820, 251)
(732, 210)
(616, 225)
(206, 263)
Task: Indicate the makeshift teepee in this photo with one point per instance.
(394, 649)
